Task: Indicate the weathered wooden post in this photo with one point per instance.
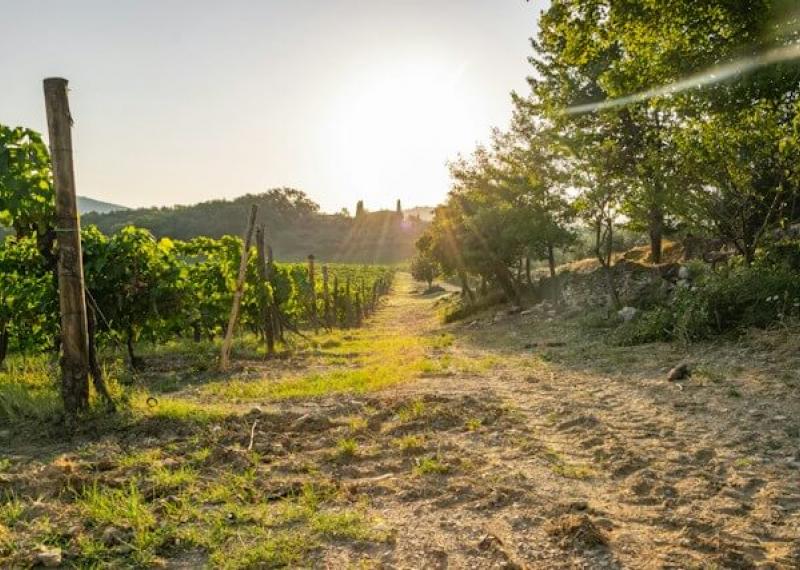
(312, 290)
(358, 310)
(264, 292)
(72, 301)
(336, 309)
(348, 307)
(277, 326)
(326, 297)
(224, 360)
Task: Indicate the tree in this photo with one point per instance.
(742, 166)
(424, 268)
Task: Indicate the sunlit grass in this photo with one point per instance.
(430, 466)
(28, 389)
(409, 443)
(176, 409)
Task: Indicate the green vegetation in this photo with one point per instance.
(710, 164)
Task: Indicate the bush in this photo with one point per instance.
(719, 303)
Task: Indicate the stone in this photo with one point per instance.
(627, 313)
(680, 372)
(48, 557)
(683, 273)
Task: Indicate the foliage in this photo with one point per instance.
(153, 289)
(424, 268)
(27, 202)
(731, 300)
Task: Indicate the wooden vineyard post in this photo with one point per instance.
(72, 301)
(335, 300)
(277, 326)
(265, 296)
(358, 309)
(312, 290)
(224, 360)
(326, 297)
(348, 319)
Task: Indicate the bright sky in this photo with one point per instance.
(183, 101)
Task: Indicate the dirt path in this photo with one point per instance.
(549, 467)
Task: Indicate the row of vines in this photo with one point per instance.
(140, 288)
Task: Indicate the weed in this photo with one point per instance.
(11, 510)
(430, 466)
(560, 466)
(413, 411)
(474, 424)
(409, 443)
(357, 423)
(346, 448)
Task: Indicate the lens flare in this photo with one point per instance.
(710, 76)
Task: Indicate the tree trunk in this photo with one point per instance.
(656, 232)
(528, 269)
(3, 344)
(465, 290)
(551, 260)
(133, 361)
(506, 281)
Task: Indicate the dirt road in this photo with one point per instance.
(548, 465)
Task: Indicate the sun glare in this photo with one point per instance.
(418, 110)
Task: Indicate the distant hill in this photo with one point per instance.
(86, 205)
(294, 227)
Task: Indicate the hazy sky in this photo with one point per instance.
(183, 101)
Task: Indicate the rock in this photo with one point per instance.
(680, 372)
(627, 313)
(527, 312)
(48, 557)
(311, 422)
(683, 273)
(111, 536)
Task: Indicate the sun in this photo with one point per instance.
(395, 123)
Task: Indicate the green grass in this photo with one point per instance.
(409, 443)
(11, 510)
(178, 410)
(28, 390)
(414, 411)
(346, 448)
(430, 466)
(171, 479)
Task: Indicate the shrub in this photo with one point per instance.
(730, 301)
